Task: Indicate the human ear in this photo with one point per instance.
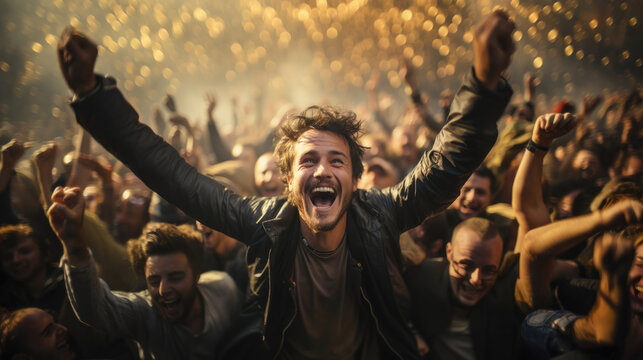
(449, 252)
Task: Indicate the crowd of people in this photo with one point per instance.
(483, 230)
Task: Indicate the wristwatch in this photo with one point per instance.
(532, 147)
(565, 324)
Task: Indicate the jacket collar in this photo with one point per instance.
(277, 225)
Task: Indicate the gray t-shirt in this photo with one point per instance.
(455, 343)
(329, 323)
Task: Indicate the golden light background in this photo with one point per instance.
(301, 52)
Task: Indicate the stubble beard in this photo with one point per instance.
(298, 200)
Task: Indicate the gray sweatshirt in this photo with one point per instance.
(132, 315)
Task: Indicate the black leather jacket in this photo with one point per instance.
(270, 226)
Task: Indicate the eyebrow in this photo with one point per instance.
(331, 152)
(337, 152)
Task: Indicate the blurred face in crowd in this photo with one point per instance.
(24, 261)
(375, 147)
(565, 207)
(379, 174)
(473, 265)
(215, 241)
(131, 217)
(587, 163)
(172, 285)
(267, 176)
(42, 338)
(636, 282)
(208, 236)
(524, 113)
(474, 197)
(403, 144)
(322, 183)
(93, 198)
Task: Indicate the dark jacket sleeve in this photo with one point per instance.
(459, 148)
(112, 121)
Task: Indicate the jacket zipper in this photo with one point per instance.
(283, 332)
(377, 324)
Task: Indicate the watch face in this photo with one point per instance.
(564, 323)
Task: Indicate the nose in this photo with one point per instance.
(60, 330)
(164, 288)
(475, 278)
(322, 170)
(469, 195)
(15, 257)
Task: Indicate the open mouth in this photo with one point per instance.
(323, 197)
(171, 307)
(637, 292)
(469, 290)
(469, 208)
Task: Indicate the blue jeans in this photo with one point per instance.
(542, 336)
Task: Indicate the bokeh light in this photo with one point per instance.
(303, 52)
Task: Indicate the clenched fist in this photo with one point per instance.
(77, 57)
(493, 47)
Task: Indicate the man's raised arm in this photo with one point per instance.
(470, 130)
(543, 244)
(103, 111)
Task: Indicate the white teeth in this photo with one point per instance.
(638, 288)
(324, 189)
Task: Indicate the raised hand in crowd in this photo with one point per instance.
(11, 153)
(531, 82)
(221, 151)
(106, 209)
(211, 100)
(621, 214)
(102, 169)
(543, 244)
(170, 104)
(44, 159)
(551, 126)
(527, 193)
(493, 47)
(407, 72)
(159, 120)
(608, 321)
(589, 104)
(66, 218)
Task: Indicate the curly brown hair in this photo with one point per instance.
(165, 239)
(322, 118)
(11, 235)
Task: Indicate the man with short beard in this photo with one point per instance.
(326, 258)
(182, 314)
